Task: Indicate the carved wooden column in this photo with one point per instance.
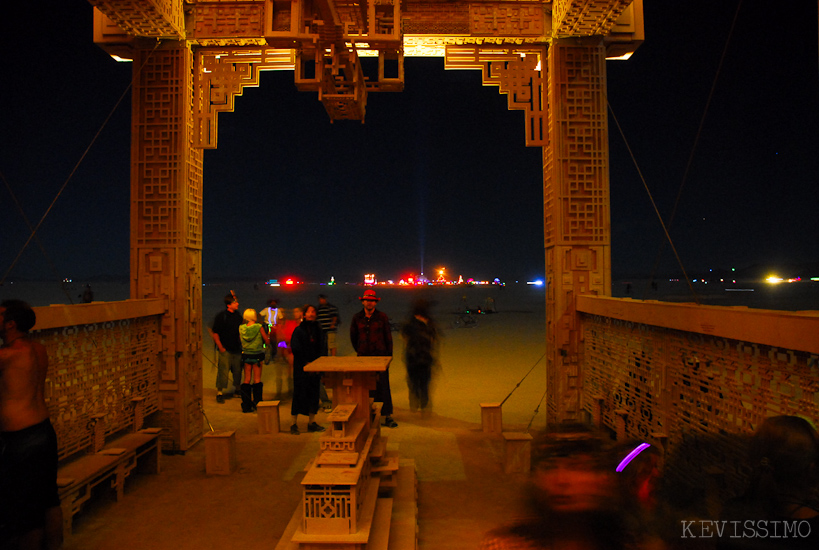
(166, 228)
(576, 206)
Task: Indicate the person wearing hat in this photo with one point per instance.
(371, 336)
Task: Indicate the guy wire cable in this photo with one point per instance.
(74, 170)
(524, 378)
(202, 408)
(696, 138)
(654, 205)
(39, 243)
(537, 409)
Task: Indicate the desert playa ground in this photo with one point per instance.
(462, 490)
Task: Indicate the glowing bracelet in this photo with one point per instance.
(631, 456)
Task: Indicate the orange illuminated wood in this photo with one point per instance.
(348, 364)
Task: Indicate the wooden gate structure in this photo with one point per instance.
(191, 58)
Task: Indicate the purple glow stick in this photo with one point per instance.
(631, 456)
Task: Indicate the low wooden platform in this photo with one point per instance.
(392, 524)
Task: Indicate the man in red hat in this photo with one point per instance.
(371, 336)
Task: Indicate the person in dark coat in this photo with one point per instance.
(307, 345)
(420, 342)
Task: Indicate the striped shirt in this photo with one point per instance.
(325, 315)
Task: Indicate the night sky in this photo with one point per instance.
(439, 174)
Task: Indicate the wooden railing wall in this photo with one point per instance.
(103, 362)
(696, 380)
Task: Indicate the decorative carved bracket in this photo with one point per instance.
(221, 75)
(518, 73)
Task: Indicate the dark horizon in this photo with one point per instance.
(439, 174)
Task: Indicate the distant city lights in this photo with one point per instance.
(776, 279)
(370, 279)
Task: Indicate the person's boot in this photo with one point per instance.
(247, 404)
(257, 394)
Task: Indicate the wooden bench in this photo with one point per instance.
(108, 462)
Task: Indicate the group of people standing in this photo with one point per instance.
(247, 341)
(245, 344)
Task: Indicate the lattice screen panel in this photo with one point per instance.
(435, 18)
(166, 236)
(161, 156)
(592, 17)
(576, 194)
(705, 394)
(154, 18)
(328, 501)
(233, 23)
(98, 369)
(507, 19)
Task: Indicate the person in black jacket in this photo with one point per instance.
(307, 344)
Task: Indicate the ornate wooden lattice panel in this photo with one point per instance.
(221, 75)
(517, 73)
(234, 23)
(166, 234)
(575, 210)
(160, 158)
(510, 19)
(592, 17)
(326, 501)
(154, 18)
(443, 18)
(576, 181)
(703, 393)
(94, 372)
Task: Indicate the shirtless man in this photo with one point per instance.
(30, 514)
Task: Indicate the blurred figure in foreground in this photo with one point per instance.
(571, 500)
(420, 343)
(779, 508)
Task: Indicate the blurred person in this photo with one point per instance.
(87, 295)
(779, 508)
(328, 320)
(638, 480)
(307, 344)
(271, 316)
(225, 334)
(290, 319)
(420, 342)
(571, 498)
(371, 335)
(254, 337)
(30, 513)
